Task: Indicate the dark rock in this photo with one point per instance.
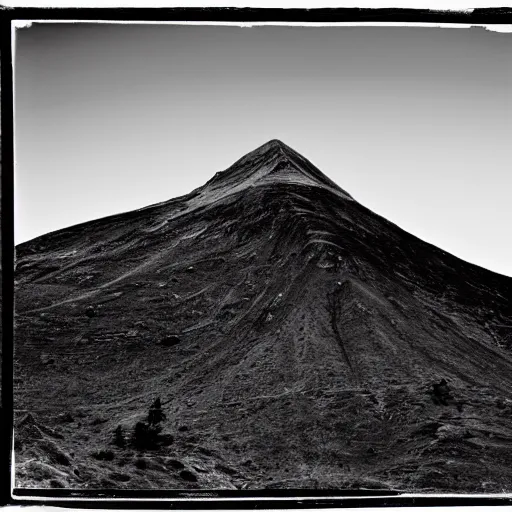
(90, 312)
(188, 476)
(441, 392)
(61, 458)
(175, 464)
(141, 464)
(170, 341)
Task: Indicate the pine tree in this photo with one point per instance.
(156, 415)
(146, 434)
(119, 437)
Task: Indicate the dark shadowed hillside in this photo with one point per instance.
(293, 336)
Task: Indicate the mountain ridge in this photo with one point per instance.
(266, 152)
(271, 145)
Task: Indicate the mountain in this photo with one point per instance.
(295, 338)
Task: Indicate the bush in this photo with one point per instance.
(145, 436)
(104, 455)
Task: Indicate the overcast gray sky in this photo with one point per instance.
(415, 123)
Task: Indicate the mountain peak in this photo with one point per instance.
(269, 149)
(272, 163)
(272, 144)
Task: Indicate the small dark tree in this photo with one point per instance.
(119, 437)
(140, 435)
(145, 434)
(156, 415)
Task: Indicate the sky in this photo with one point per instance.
(413, 122)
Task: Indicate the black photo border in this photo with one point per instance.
(189, 499)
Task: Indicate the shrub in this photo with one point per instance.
(103, 455)
(145, 436)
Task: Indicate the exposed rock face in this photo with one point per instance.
(311, 332)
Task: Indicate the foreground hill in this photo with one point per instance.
(293, 336)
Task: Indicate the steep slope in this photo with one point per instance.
(308, 333)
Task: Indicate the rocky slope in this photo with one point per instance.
(292, 335)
